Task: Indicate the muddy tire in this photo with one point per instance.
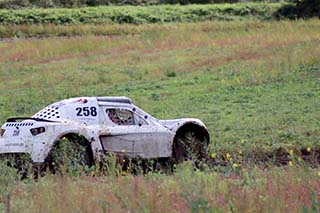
(70, 154)
(190, 144)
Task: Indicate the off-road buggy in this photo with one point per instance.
(98, 125)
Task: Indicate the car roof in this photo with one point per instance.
(115, 99)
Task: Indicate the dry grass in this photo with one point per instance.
(183, 47)
(242, 190)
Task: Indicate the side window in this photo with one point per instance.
(121, 116)
(125, 117)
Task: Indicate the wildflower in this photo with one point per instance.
(290, 163)
(235, 166)
(228, 156)
(240, 152)
(309, 149)
(319, 173)
(123, 160)
(242, 141)
(299, 159)
(291, 152)
(213, 155)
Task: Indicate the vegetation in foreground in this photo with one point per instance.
(252, 189)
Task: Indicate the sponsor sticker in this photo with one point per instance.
(16, 132)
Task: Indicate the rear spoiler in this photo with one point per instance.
(27, 118)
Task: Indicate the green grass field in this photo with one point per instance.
(256, 85)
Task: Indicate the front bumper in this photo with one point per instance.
(7, 146)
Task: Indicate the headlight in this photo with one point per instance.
(37, 131)
(2, 131)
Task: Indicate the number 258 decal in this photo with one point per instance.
(86, 111)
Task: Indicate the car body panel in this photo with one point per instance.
(139, 141)
(175, 124)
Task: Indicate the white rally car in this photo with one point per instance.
(94, 126)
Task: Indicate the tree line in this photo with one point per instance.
(301, 9)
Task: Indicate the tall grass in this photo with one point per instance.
(253, 189)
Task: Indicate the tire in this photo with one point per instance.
(190, 145)
(70, 154)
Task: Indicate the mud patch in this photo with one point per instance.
(278, 157)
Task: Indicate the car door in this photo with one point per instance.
(132, 135)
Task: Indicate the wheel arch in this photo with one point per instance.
(200, 129)
(72, 132)
(195, 149)
(72, 135)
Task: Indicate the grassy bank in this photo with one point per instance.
(140, 14)
(254, 84)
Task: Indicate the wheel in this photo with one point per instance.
(71, 154)
(190, 146)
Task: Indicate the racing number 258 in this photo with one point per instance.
(86, 111)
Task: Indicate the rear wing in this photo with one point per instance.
(16, 119)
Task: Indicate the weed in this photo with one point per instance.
(171, 74)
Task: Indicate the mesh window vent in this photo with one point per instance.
(48, 113)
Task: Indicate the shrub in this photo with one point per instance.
(308, 8)
(15, 4)
(138, 14)
(300, 9)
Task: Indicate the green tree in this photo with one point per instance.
(308, 8)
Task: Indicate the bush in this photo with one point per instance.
(308, 8)
(138, 14)
(15, 4)
(300, 9)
